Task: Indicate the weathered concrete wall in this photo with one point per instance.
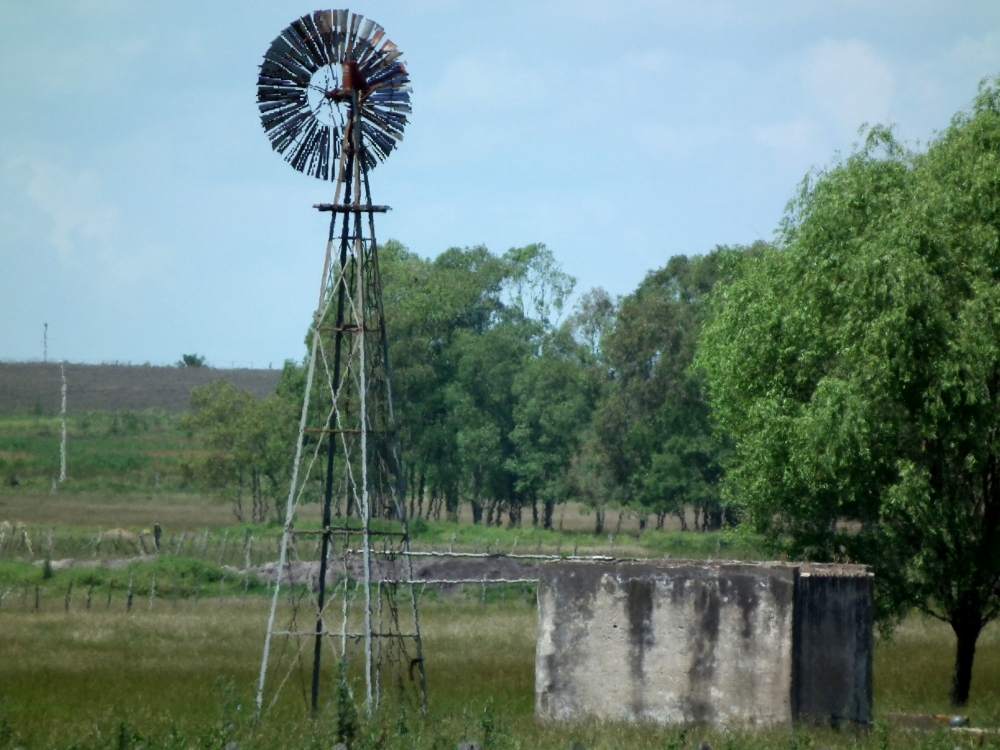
(692, 642)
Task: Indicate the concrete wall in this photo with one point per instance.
(693, 642)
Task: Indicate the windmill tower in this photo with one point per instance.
(333, 96)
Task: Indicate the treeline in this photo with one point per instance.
(512, 401)
(854, 367)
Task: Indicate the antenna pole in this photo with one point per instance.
(62, 451)
(45, 344)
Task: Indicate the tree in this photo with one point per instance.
(461, 327)
(554, 400)
(191, 360)
(430, 305)
(857, 367)
(252, 442)
(653, 424)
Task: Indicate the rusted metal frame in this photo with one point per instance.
(347, 532)
(331, 443)
(459, 581)
(596, 558)
(395, 450)
(324, 431)
(355, 636)
(357, 143)
(293, 497)
(342, 329)
(351, 209)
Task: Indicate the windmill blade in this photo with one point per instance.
(310, 38)
(304, 61)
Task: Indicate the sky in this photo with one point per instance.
(143, 214)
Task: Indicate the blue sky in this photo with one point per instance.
(143, 214)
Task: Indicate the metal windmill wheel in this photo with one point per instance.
(306, 83)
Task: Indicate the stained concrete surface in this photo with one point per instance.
(719, 643)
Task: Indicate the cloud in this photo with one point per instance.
(79, 219)
(83, 228)
(796, 142)
(849, 82)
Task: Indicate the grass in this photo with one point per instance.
(109, 452)
(110, 680)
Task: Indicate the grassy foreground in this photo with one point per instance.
(182, 677)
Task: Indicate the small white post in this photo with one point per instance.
(62, 451)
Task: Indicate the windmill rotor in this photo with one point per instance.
(306, 86)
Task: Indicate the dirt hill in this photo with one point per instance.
(26, 386)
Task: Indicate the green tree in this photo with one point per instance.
(461, 328)
(430, 305)
(554, 397)
(653, 427)
(252, 442)
(857, 367)
(191, 360)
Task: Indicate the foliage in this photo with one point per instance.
(346, 714)
(653, 441)
(191, 360)
(858, 370)
(554, 394)
(471, 334)
(252, 443)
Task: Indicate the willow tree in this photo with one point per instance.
(857, 367)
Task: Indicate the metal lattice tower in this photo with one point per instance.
(333, 99)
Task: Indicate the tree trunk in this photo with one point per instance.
(413, 492)
(534, 512)
(477, 511)
(598, 520)
(549, 507)
(420, 494)
(965, 652)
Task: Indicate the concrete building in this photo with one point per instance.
(704, 642)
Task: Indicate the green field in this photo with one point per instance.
(103, 679)
(177, 671)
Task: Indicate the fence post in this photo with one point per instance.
(69, 595)
(111, 588)
(131, 591)
(37, 598)
(90, 595)
(152, 593)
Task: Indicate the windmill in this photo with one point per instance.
(334, 97)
